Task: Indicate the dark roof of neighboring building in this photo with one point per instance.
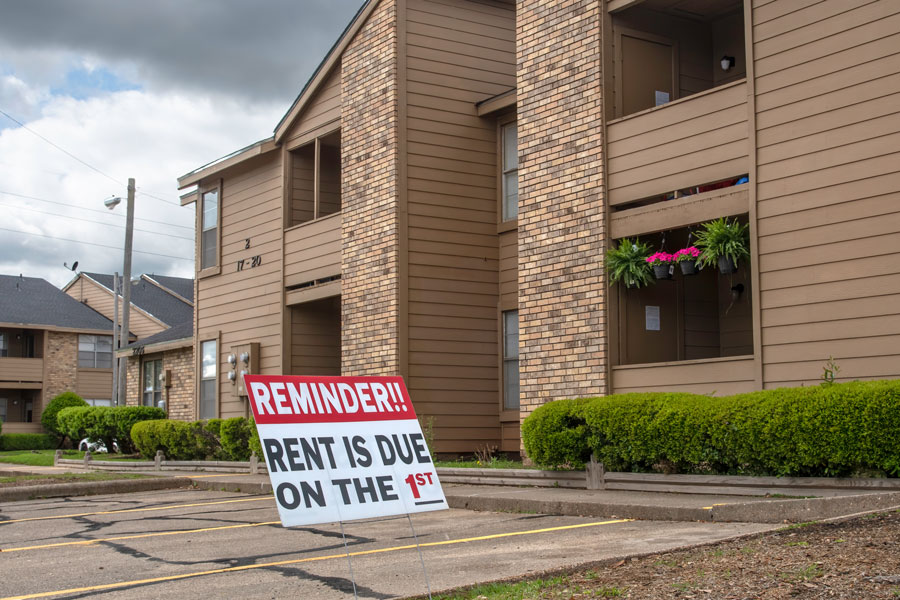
(35, 301)
(183, 286)
(172, 334)
(167, 307)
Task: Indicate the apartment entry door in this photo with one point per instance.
(646, 70)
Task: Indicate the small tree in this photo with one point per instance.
(48, 418)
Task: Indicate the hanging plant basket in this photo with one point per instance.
(688, 267)
(727, 265)
(662, 271)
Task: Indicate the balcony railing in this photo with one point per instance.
(312, 251)
(688, 142)
(21, 370)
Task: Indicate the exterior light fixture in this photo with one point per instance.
(727, 63)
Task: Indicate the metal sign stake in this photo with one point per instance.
(349, 560)
(421, 558)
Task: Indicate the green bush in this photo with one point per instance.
(106, 423)
(235, 438)
(124, 418)
(64, 400)
(177, 439)
(837, 430)
(28, 441)
(73, 422)
(255, 444)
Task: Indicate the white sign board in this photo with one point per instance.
(342, 448)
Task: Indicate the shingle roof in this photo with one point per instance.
(183, 286)
(168, 308)
(35, 301)
(178, 332)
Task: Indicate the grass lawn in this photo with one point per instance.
(67, 477)
(493, 463)
(44, 458)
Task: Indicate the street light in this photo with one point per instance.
(111, 203)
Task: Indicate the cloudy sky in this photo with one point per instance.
(97, 91)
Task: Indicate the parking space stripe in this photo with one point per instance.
(135, 536)
(134, 510)
(123, 584)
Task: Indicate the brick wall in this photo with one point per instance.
(561, 205)
(180, 396)
(369, 154)
(60, 365)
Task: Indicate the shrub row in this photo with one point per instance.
(64, 400)
(216, 439)
(105, 423)
(28, 441)
(835, 430)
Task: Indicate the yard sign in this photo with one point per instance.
(342, 448)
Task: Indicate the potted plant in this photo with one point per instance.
(686, 258)
(723, 242)
(662, 264)
(627, 263)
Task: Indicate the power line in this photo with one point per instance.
(70, 155)
(53, 237)
(43, 212)
(102, 212)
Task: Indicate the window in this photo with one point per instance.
(315, 190)
(511, 360)
(151, 386)
(208, 379)
(510, 162)
(95, 351)
(209, 229)
(4, 349)
(98, 402)
(3, 406)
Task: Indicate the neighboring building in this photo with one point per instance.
(438, 201)
(160, 363)
(49, 343)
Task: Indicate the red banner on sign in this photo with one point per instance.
(283, 399)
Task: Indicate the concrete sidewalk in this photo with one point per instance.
(656, 506)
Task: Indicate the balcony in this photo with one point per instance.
(698, 139)
(21, 373)
(312, 252)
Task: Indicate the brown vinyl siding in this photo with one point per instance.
(316, 338)
(94, 383)
(828, 117)
(312, 251)
(323, 108)
(244, 306)
(101, 299)
(718, 376)
(458, 53)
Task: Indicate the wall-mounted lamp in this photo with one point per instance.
(727, 63)
(736, 291)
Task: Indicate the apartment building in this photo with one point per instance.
(438, 201)
(49, 343)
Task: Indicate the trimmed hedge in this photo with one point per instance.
(106, 423)
(28, 441)
(216, 439)
(835, 430)
(64, 400)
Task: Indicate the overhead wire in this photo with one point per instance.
(53, 237)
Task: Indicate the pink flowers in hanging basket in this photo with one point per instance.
(660, 258)
(691, 253)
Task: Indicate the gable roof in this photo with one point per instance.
(167, 307)
(183, 286)
(177, 336)
(35, 301)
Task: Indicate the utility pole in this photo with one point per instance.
(126, 283)
(115, 362)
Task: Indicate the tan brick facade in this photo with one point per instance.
(180, 395)
(561, 205)
(369, 156)
(60, 364)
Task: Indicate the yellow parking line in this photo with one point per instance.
(133, 510)
(121, 584)
(136, 536)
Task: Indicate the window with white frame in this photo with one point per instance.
(95, 351)
(209, 229)
(208, 379)
(511, 360)
(151, 388)
(509, 134)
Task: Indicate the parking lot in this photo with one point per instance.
(171, 543)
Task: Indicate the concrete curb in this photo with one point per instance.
(240, 487)
(91, 488)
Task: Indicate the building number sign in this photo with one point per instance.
(251, 262)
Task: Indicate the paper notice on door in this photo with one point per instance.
(661, 97)
(651, 317)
